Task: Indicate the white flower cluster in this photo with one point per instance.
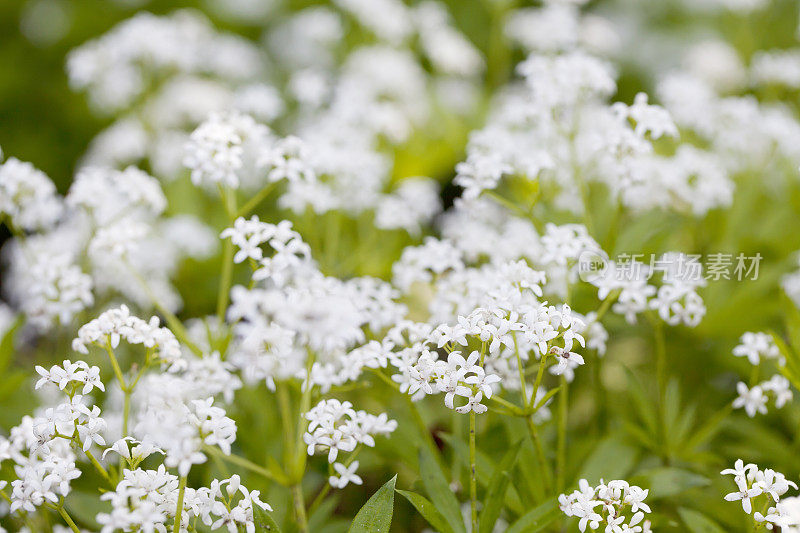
(297, 309)
(752, 483)
(40, 446)
(467, 356)
(27, 196)
(115, 68)
(334, 426)
(414, 203)
(760, 347)
(146, 500)
(608, 504)
(183, 429)
(580, 138)
(107, 235)
(219, 148)
(291, 255)
(78, 375)
(117, 324)
(676, 300)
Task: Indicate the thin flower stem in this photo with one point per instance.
(473, 482)
(245, 463)
(176, 527)
(427, 438)
(512, 409)
(661, 377)
(226, 273)
(285, 410)
(661, 359)
(539, 376)
(253, 202)
(305, 406)
(226, 278)
(606, 304)
(67, 518)
(561, 454)
(521, 369)
(103, 472)
(547, 480)
(174, 323)
(126, 411)
(115, 365)
(507, 203)
(327, 488)
(299, 508)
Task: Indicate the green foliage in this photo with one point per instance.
(264, 521)
(427, 510)
(376, 515)
(439, 490)
(537, 519)
(697, 522)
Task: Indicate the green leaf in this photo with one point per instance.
(439, 490)
(697, 522)
(376, 515)
(427, 510)
(611, 459)
(536, 519)
(264, 521)
(669, 481)
(496, 493)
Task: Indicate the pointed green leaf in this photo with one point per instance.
(263, 521)
(697, 522)
(537, 519)
(427, 510)
(439, 490)
(376, 515)
(496, 493)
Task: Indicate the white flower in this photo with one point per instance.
(347, 474)
(744, 494)
(753, 400)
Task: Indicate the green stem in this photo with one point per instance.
(284, 408)
(661, 359)
(174, 323)
(507, 203)
(247, 464)
(176, 527)
(253, 202)
(416, 417)
(547, 478)
(115, 365)
(539, 376)
(305, 406)
(606, 305)
(327, 488)
(226, 274)
(521, 369)
(103, 472)
(299, 508)
(226, 279)
(512, 409)
(561, 456)
(473, 481)
(68, 519)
